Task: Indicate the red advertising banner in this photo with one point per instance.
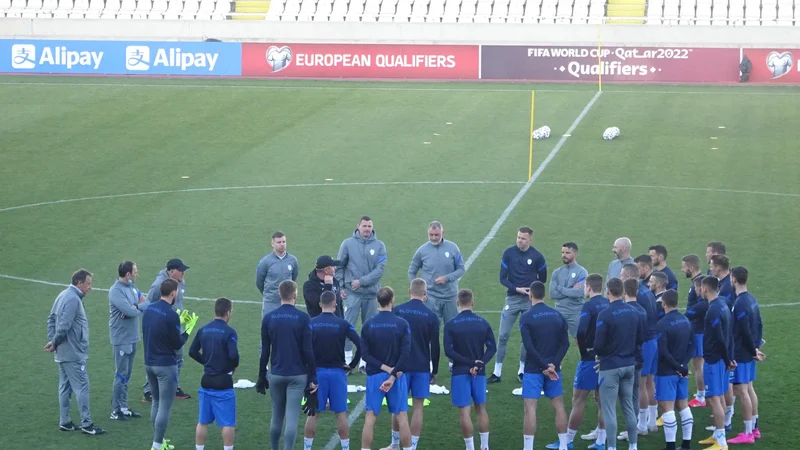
(360, 61)
(621, 64)
(773, 65)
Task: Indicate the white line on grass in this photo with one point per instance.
(671, 188)
(359, 409)
(269, 186)
(738, 90)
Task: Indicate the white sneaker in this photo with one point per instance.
(623, 436)
(711, 428)
(591, 436)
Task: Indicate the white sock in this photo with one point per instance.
(527, 442)
(157, 445)
(571, 435)
(484, 440)
(227, 447)
(601, 436)
(728, 415)
(199, 447)
(642, 425)
(469, 443)
(348, 356)
(562, 441)
(307, 443)
(687, 423)
(755, 421)
(719, 435)
(652, 415)
(670, 426)
(701, 395)
(414, 441)
(345, 444)
(748, 427)
(395, 439)
(406, 448)
(521, 367)
(498, 369)
(633, 446)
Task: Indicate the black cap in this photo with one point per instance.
(326, 261)
(176, 264)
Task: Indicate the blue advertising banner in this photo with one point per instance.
(121, 57)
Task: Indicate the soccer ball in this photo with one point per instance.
(541, 133)
(610, 133)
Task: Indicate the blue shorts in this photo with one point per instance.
(219, 406)
(744, 373)
(396, 398)
(698, 345)
(716, 378)
(650, 357)
(332, 387)
(534, 383)
(466, 389)
(419, 384)
(585, 376)
(671, 388)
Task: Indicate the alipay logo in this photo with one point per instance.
(23, 56)
(137, 57)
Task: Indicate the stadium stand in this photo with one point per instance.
(667, 12)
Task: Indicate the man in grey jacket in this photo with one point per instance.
(363, 261)
(274, 268)
(566, 286)
(68, 335)
(176, 270)
(125, 305)
(622, 254)
(442, 266)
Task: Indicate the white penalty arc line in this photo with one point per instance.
(737, 90)
(266, 186)
(361, 406)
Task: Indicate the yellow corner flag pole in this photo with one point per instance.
(530, 136)
(599, 61)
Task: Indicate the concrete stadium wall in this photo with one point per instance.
(405, 33)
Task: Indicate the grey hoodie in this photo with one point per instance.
(68, 327)
(435, 261)
(364, 260)
(123, 313)
(155, 290)
(271, 271)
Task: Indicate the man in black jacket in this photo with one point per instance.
(321, 279)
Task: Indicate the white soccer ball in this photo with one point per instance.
(541, 133)
(611, 133)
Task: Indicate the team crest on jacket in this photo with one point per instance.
(573, 275)
(372, 252)
(446, 254)
(290, 267)
(530, 261)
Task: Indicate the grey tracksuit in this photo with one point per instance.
(271, 271)
(68, 331)
(123, 324)
(435, 261)
(363, 260)
(569, 299)
(153, 296)
(615, 267)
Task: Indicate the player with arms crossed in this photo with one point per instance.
(385, 346)
(328, 335)
(546, 339)
(675, 349)
(469, 342)
(215, 346)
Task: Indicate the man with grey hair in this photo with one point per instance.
(68, 334)
(362, 260)
(622, 252)
(442, 266)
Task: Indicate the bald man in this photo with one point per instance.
(622, 253)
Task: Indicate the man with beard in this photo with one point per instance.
(622, 253)
(321, 279)
(690, 266)
(659, 255)
(566, 286)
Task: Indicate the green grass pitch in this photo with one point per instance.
(257, 155)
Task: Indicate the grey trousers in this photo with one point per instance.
(618, 383)
(163, 380)
(572, 316)
(637, 375)
(366, 305)
(179, 355)
(286, 394)
(515, 306)
(72, 377)
(124, 356)
(445, 308)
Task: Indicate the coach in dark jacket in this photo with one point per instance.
(321, 279)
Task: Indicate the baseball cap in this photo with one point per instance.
(326, 261)
(176, 264)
